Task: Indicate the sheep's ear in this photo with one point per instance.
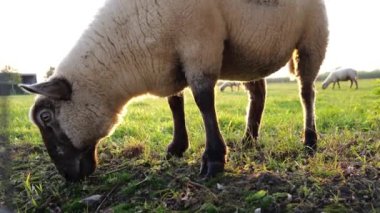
(59, 89)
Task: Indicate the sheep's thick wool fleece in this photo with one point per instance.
(161, 46)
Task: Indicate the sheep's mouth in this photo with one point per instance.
(72, 163)
(80, 167)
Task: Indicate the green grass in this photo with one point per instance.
(342, 177)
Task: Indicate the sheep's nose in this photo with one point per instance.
(71, 176)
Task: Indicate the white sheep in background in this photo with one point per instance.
(134, 47)
(341, 74)
(230, 84)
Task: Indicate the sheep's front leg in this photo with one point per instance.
(338, 84)
(351, 84)
(257, 96)
(213, 158)
(180, 139)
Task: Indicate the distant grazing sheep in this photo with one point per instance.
(134, 47)
(341, 74)
(230, 84)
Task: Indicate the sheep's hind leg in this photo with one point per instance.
(180, 139)
(257, 96)
(308, 98)
(309, 64)
(351, 84)
(356, 83)
(213, 158)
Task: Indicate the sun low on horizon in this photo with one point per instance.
(40, 33)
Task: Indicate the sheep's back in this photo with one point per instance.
(346, 74)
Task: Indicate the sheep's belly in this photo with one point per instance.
(241, 66)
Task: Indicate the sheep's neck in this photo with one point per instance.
(110, 65)
(113, 58)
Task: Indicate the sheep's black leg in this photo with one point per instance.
(180, 140)
(334, 85)
(338, 84)
(351, 84)
(213, 158)
(257, 95)
(356, 83)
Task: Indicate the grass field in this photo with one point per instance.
(134, 176)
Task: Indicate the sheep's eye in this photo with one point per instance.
(46, 116)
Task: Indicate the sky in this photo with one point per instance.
(35, 35)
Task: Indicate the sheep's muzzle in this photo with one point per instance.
(73, 164)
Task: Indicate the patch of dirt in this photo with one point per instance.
(133, 150)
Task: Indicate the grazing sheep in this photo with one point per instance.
(230, 84)
(134, 47)
(341, 74)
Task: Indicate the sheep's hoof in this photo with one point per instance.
(175, 150)
(310, 151)
(311, 148)
(210, 169)
(310, 142)
(171, 154)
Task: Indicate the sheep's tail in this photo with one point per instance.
(293, 64)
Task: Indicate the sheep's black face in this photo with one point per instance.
(72, 163)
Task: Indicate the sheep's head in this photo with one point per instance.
(69, 126)
(325, 85)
